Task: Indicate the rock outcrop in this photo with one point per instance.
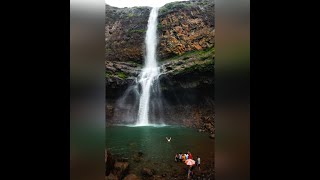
(147, 172)
(186, 26)
(131, 177)
(121, 169)
(124, 33)
(116, 168)
(109, 162)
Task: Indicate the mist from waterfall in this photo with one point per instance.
(150, 71)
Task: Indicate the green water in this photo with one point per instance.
(158, 153)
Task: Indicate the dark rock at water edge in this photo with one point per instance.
(137, 157)
(116, 168)
(147, 172)
(131, 177)
(111, 177)
(109, 162)
(121, 169)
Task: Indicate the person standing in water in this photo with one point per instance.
(168, 139)
(176, 157)
(190, 171)
(180, 157)
(183, 157)
(198, 162)
(190, 155)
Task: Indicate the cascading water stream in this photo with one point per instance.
(151, 71)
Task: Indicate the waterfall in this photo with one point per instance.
(150, 71)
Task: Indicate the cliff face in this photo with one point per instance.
(186, 26)
(186, 52)
(124, 33)
(186, 47)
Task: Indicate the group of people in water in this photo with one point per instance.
(182, 157)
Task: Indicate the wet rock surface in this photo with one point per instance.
(121, 169)
(109, 161)
(147, 172)
(138, 157)
(116, 167)
(111, 177)
(131, 177)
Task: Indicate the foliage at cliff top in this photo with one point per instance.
(185, 5)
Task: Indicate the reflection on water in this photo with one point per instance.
(158, 153)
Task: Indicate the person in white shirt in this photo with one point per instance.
(180, 157)
(198, 162)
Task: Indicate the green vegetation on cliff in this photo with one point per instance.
(138, 31)
(200, 62)
(199, 55)
(174, 6)
(122, 75)
(108, 74)
(207, 66)
(185, 5)
(159, 26)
